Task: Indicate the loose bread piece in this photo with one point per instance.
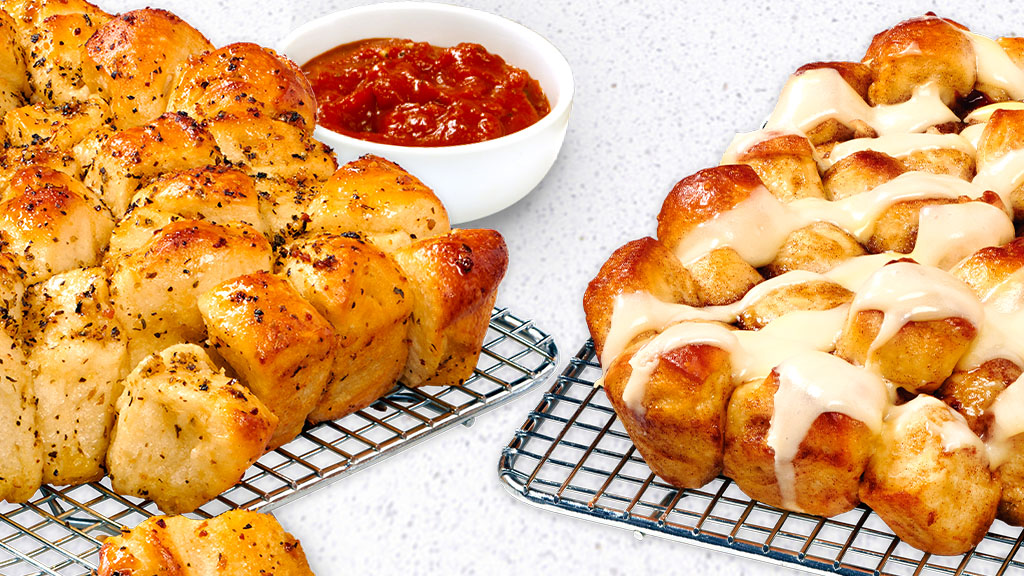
(235, 543)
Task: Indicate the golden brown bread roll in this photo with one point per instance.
(930, 479)
(643, 265)
(264, 146)
(235, 543)
(215, 194)
(184, 432)
(241, 78)
(860, 172)
(700, 197)
(139, 56)
(942, 161)
(454, 279)
(722, 276)
(368, 300)
(60, 127)
(971, 392)
(284, 206)
(276, 341)
(155, 287)
(919, 357)
(819, 247)
(786, 165)
(896, 228)
(813, 460)
(774, 304)
(53, 34)
(1003, 135)
(988, 267)
(14, 159)
(78, 353)
(678, 420)
(132, 158)
(382, 202)
(51, 223)
(922, 50)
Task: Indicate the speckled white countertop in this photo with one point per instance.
(661, 87)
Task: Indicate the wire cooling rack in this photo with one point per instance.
(61, 530)
(573, 456)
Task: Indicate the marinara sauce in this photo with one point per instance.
(409, 93)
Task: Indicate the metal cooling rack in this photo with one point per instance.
(573, 456)
(61, 530)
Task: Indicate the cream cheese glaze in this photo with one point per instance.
(810, 98)
(906, 292)
(954, 434)
(813, 383)
(757, 226)
(900, 145)
(752, 354)
(1007, 414)
(995, 68)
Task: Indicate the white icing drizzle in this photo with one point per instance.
(744, 141)
(813, 383)
(1002, 175)
(637, 312)
(954, 434)
(995, 67)
(853, 273)
(1007, 413)
(757, 226)
(753, 354)
(858, 214)
(1002, 334)
(906, 292)
(984, 113)
(900, 145)
(810, 98)
(794, 333)
(647, 358)
(973, 134)
(948, 233)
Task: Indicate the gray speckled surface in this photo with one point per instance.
(662, 87)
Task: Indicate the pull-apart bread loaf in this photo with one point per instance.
(834, 314)
(186, 276)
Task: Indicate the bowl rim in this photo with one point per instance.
(560, 66)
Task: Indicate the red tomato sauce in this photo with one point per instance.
(414, 94)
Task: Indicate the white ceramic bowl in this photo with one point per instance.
(473, 180)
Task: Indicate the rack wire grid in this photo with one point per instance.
(60, 531)
(573, 456)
